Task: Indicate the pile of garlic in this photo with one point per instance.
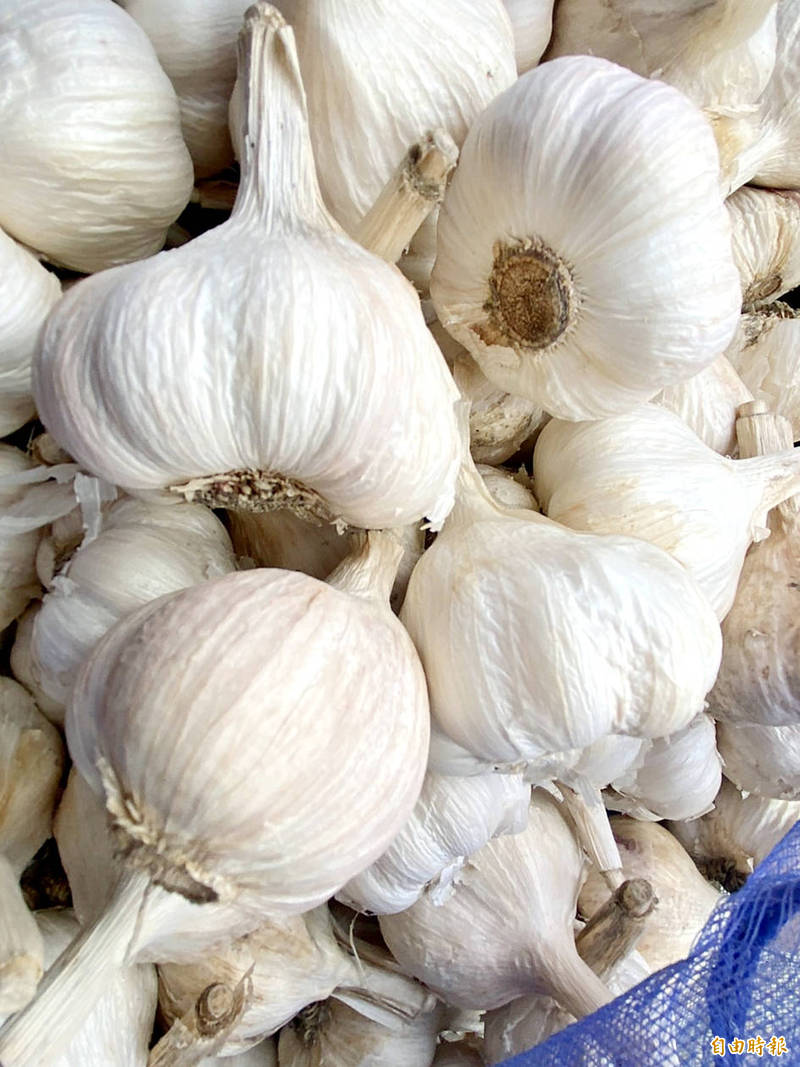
(328, 718)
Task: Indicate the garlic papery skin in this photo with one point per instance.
(708, 404)
(765, 355)
(509, 490)
(506, 929)
(291, 963)
(300, 372)
(94, 168)
(561, 301)
(21, 950)
(196, 46)
(678, 777)
(536, 641)
(379, 75)
(144, 550)
(647, 475)
(499, 422)
(18, 581)
(264, 1054)
(117, 1033)
(452, 818)
(765, 237)
(761, 759)
(27, 292)
(685, 899)
(532, 23)
(738, 833)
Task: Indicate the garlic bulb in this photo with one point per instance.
(765, 354)
(506, 929)
(27, 292)
(453, 818)
(685, 899)
(379, 75)
(499, 423)
(94, 168)
(765, 232)
(144, 550)
(117, 1033)
(738, 833)
(759, 677)
(532, 22)
(536, 640)
(18, 582)
(300, 371)
(196, 46)
(708, 404)
(646, 474)
(761, 759)
(678, 778)
(509, 490)
(292, 962)
(720, 53)
(564, 302)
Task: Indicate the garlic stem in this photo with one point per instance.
(204, 1028)
(593, 830)
(71, 988)
(576, 987)
(773, 463)
(278, 187)
(409, 196)
(761, 432)
(613, 930)
(370, 571)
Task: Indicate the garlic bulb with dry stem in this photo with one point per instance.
(196, 46)
(506, 929)
(685, 899)
(646, 474)
(560, 300)
(765, 235)
(708, 403)
(761, 759)
(27, 292)
(765, 355)
(94, 168)
(532, 22)
(144, 550)
(452, 818)
(199, 737)
(300, 372)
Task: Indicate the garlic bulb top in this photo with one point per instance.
(506, 929)
(590, 270)
(144, 550)
(452, 818)
(646, 474)
(196, 45)
(27, 292)
(536, 641)
(379, 75)
(765, 233)
(300, 367)
(532, 22)
(94, 168)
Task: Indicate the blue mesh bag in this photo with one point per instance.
(734, 1001)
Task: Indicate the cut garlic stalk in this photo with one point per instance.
(204, 1028)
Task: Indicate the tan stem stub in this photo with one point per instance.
(257, 490)
(532, 298)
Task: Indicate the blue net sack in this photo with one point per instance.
(734, 1001)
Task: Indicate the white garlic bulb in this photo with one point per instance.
(292, 962)
(532, 23)
(685, 899)
(708, 403)
(506, 929)
(766, 355)
(300, 371)
(379, 75)
(565, 302)
(27, 292)
(144, 550)
(196, 45)
(499, 423)
(678, 777)
(761, 759)
(646, 474)
(503, 609)
(94, 168)
(452, 818)
(765, 235)
(509, 490)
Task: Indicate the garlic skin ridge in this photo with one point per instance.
(557, 301)
(94, 168)
(369, 436)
